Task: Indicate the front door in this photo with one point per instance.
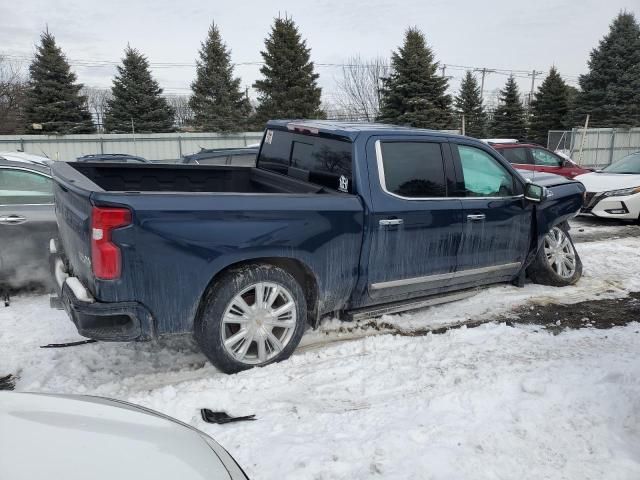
(415, 228)
(497, 219)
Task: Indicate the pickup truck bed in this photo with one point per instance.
(355, 219)
(118, 177)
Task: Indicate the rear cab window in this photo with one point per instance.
(317, 158)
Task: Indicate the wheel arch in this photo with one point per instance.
(303, 274)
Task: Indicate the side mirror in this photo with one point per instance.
(535, 193)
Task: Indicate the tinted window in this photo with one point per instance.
(515, 155)
(21, 187)
(413, 169)
(483, 174)
(325, 161)
(544, 158)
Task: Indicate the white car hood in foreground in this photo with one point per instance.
(80, 438)
(604, 182)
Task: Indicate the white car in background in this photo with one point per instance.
(72, 437)
(614, 191)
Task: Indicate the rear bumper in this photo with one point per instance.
(105, 321)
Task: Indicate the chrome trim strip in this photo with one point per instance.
(383, 184)
(25, 204)
(443, 276)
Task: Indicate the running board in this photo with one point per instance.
(397, 307)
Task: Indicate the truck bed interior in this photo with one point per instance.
(118, 177)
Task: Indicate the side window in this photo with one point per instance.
(483, 174)
(413, 169)
(22, 187)
(544, 158)
(515, 155)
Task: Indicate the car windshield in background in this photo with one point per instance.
(629, 164)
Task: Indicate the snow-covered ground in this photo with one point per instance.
(480, 403)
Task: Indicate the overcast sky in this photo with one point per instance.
(504, 34)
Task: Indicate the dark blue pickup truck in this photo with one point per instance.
(355, 219)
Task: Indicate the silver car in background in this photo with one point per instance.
(27, 219)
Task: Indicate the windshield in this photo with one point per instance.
(628, 164)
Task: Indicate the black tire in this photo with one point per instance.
(208, 328)
(540, 271)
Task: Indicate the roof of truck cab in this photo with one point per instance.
(353, 129)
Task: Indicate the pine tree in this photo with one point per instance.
(549, 107)
(53, 97)
(136, 97)
(289, 86)
(414, 94)
(508, 117)
(469, 103)
(217, 102)
(611, 90)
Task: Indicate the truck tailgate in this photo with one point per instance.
(73, 214)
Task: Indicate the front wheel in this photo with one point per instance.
(253, 316)
(557, 262)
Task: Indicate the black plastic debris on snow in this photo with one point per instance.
(7, 382)
(210, 416)
(69, 344)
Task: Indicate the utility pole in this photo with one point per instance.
(443, 68)
(464, 129)
(533, 75)
(484, 71)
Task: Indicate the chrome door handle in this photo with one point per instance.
(12, 219)
(476, 217)
(391, 221)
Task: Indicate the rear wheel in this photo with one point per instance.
(557, 262)
(253, 316)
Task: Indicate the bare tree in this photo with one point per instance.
(97, 99)
(13, 87)
(358, 95)
(183, 113)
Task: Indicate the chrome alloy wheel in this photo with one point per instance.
(560, 253)
(258, 323)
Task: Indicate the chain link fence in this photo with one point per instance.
(595, 147)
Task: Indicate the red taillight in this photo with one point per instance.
(105, 255)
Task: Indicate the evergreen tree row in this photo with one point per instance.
(414, 93)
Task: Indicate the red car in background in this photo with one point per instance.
(529, 156)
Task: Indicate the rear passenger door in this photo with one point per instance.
(497, 220)
(414, 229)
